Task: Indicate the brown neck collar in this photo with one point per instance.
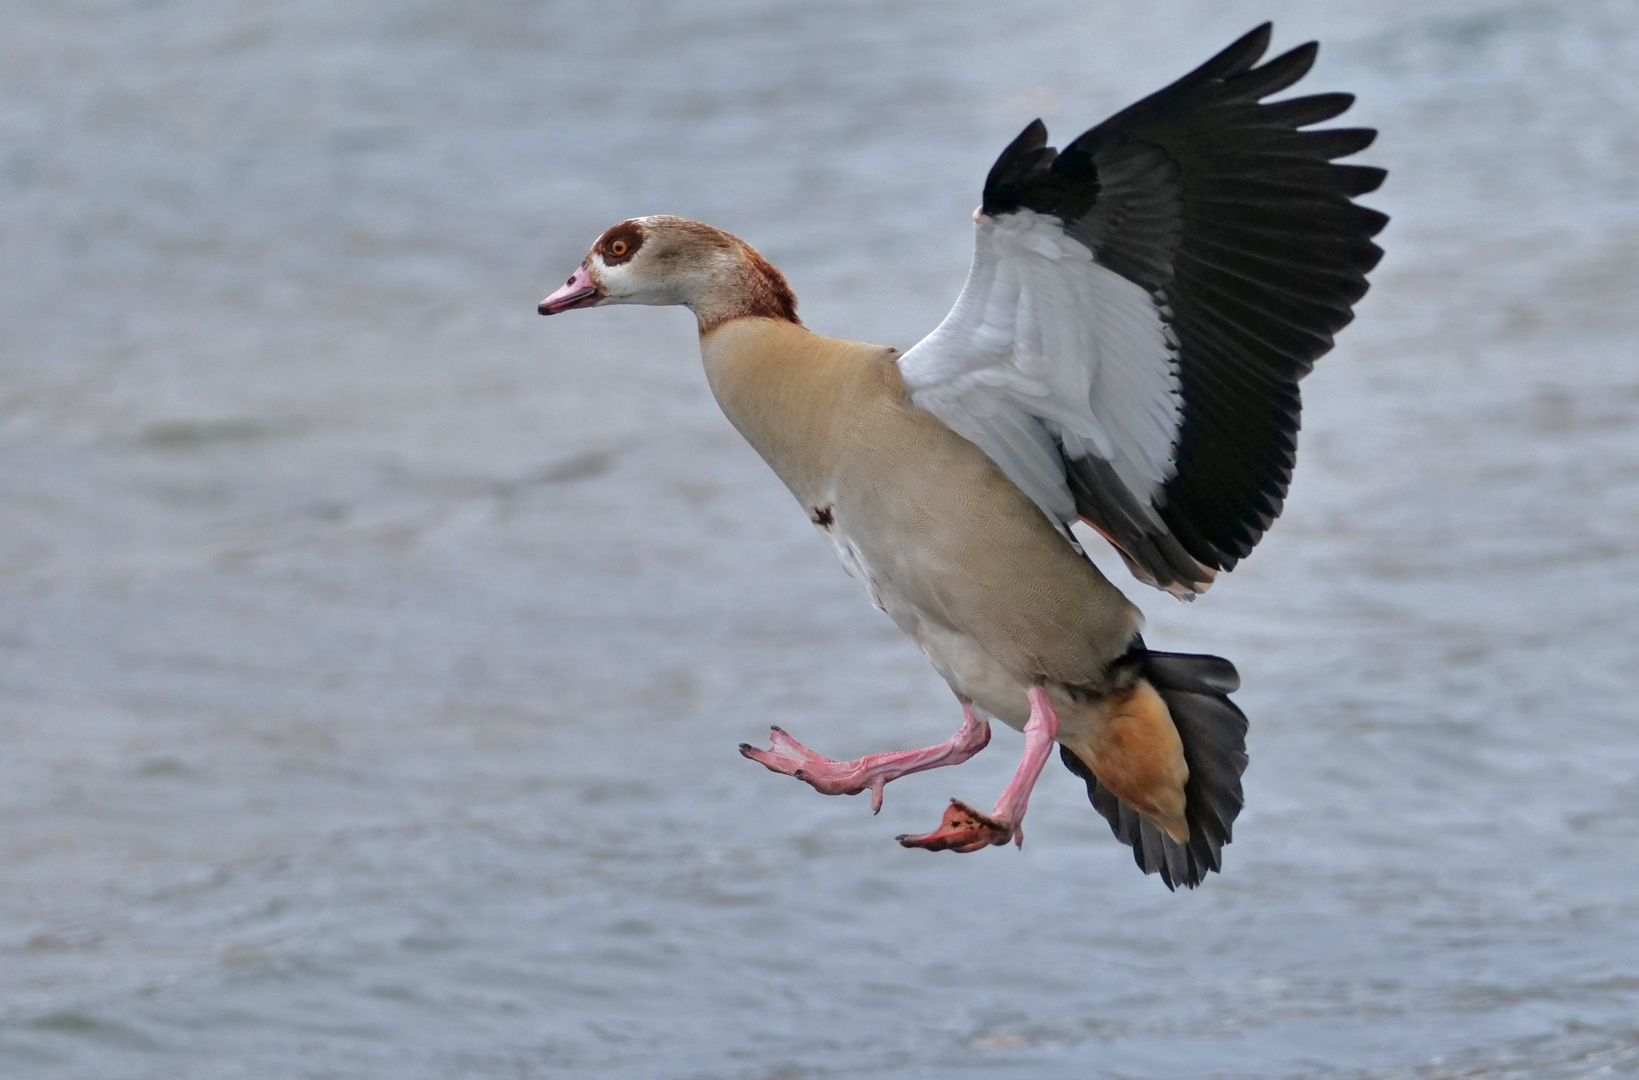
(757, 291)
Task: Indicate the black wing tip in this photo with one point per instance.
(1304, 54)
(1310, 109)
(1025, 154)
(1239, 55)
(1229, 63)
(1357, 180)
(1329, 144)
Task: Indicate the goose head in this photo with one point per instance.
(663, 261)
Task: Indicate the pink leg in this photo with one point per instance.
(787, 755)
(966, 829)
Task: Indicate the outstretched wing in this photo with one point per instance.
(1142, 305)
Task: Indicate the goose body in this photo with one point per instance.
(1125, 352)
(827, 414)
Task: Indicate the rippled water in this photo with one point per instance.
(373, 652)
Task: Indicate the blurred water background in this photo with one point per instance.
(373, 652)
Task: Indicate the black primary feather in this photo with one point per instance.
(1244, 231)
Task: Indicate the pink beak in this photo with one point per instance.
(579, 291)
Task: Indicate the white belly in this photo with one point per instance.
(969, 670)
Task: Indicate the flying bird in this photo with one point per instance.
(1126, 352)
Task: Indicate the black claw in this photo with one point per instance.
(902, 837)
(798, 774)
(746, 746)
(776, 727)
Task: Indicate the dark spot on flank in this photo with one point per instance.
(620, 243)
(822, 517)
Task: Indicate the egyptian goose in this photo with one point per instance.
(1126, 352)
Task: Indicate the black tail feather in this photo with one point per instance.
(1196, 690)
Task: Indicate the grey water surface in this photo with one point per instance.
(373, 652)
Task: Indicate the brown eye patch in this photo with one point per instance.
(619, 243)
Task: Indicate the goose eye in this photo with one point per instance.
(618, 248)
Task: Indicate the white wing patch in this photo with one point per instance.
(1044, 346)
